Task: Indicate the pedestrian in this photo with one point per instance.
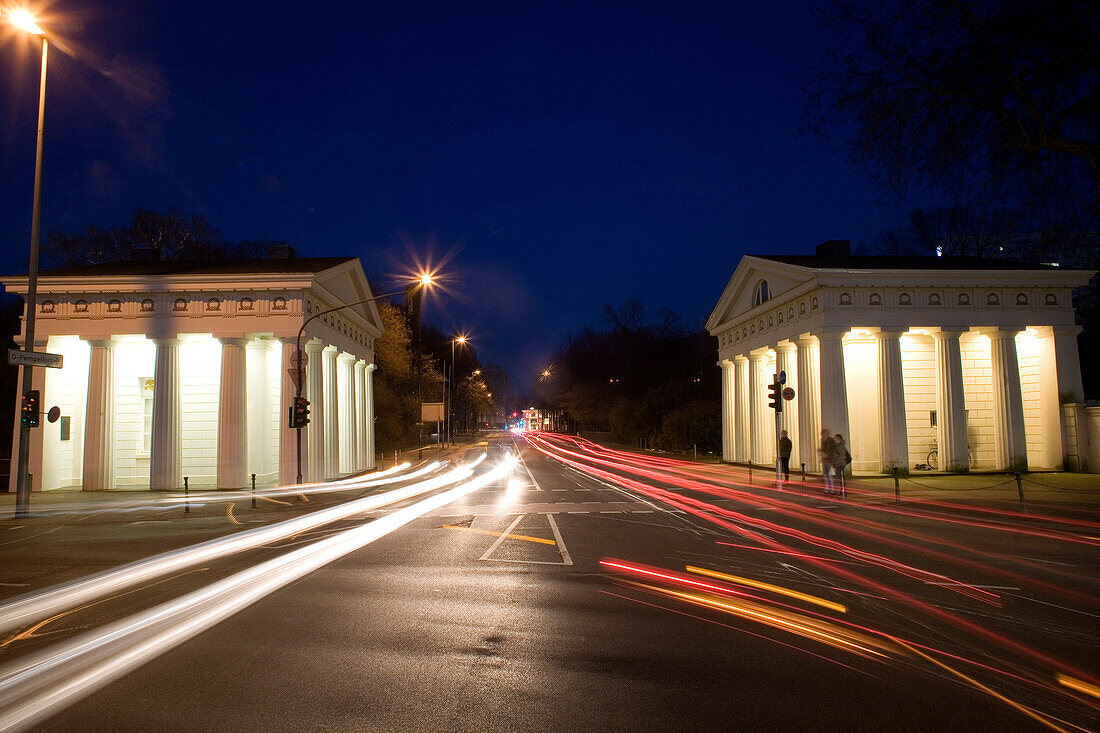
(785, 447)
(840, 461)
(827, 452)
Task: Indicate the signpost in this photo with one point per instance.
(34, 359)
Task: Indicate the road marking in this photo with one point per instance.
(610, 511)
(559, 489)
(528, 470)
(578, 512)
(561, 544)
(229, 513)
(642, 511)
(500, 539)
(499, 534)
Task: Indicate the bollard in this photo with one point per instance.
(1020, 488)
(897, 487)
(253, 491)
(186, 497)
(695, 451)
(750, 473)
(803, 476)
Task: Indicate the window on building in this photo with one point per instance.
(147, 416)
(760, 294)
(66, 427)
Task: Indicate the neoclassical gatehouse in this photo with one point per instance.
(972, 363)
(175, 369)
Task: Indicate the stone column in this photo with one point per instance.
(834, 389)
(332, 415)
(166, 452)
(950, 403)
(99, 418)
(758, 408)
(895, 437)
(315, 431)
(728, 414)
(787, 361)
(1068, 362)
(368, 418)
(346, 409)
(233, 416)
(361, 415)
(288, 436)
(741, 415)
(1009, 440)
(808, 398)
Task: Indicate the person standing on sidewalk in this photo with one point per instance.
(827, 452)
(785, 446)
(841, 460)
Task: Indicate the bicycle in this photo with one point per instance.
(932, 459)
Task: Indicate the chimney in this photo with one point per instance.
(145, 254)
(280, 252)
(834, 249)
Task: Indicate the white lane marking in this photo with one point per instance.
(566, 560)
(500, 539)
(583, 489)
(610, 511)
(642, 511)
(528, 470)
(559, 489)
(578, 512)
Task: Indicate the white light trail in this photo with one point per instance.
(35, 688)
(33, 607)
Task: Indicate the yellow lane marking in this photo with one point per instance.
(1080, 685)
(229, 513)
(769, 587)
(502, 534)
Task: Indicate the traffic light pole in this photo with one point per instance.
(298, 361)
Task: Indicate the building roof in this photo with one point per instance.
(201, 267)
(903, 262)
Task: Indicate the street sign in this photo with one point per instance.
(34, 359)
(53, 414)
(303, 357)
(782, 377)
(295, 376)
(788, 393)
(431, 412)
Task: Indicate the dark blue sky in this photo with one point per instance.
(557, 157)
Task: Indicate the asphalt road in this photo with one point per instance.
(494, 613)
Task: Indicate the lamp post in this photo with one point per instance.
(24, 21)
(422, 282)
(450, 392)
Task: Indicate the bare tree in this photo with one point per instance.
(1002, 97)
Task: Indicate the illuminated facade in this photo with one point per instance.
(175, 369)
(957, 362)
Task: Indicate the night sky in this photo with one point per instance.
(551, 159)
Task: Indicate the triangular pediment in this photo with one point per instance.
(348, 283)
(738, 296)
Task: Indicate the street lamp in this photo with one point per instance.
(25, 22)
(449, 393)
(421, 282)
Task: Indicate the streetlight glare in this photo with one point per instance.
(24, 21)
(426, 279)
(461, 339)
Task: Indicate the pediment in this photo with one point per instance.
(349, 284)
(737, 298)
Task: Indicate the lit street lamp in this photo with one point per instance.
(25, 22)
(423, 281)
(450, 392)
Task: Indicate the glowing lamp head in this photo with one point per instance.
(460, 339)
(425, 279)
(24, 21)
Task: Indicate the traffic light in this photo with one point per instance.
(775, 396)
(299, 413)
(30, 408)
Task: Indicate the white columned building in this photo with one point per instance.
(945, 363)
(183, 369)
